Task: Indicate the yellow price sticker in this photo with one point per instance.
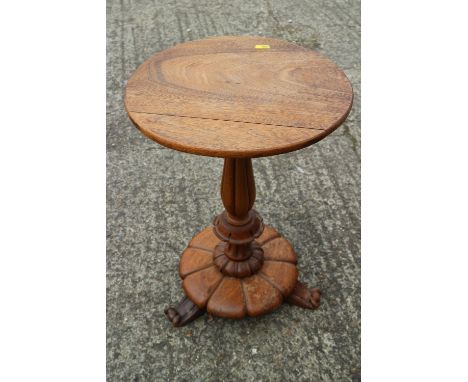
(262, 46)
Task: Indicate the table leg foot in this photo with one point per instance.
(184, 313)
(304, 297)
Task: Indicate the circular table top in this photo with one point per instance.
(238, 96)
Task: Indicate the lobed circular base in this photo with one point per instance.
(231, 297)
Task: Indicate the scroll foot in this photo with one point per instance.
(184, 313)
(305, 297)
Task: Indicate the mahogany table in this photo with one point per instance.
(238, 98)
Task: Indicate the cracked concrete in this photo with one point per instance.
(157, 199)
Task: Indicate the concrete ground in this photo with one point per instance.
(157, 199)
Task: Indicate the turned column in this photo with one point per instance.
(238, 225)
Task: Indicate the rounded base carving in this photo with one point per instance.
(234, 268)
(238, 232)
(233, 297)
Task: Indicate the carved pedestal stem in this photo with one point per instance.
(250, 272)
(238, 226)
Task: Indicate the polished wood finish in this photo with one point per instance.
(238, 98)
(237, 297)
(224, 97)
(238, 226)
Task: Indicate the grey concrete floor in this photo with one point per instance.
(157, 199)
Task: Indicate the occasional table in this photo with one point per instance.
(238, 98)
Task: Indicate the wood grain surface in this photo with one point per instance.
(151, 188)
(231, 297)
(226, 97)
